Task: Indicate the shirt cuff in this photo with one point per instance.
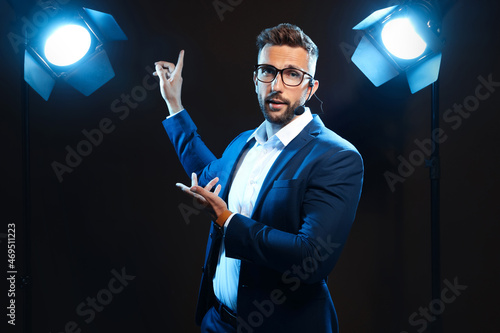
(175, 113)
(227, 222)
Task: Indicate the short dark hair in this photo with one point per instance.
(287, 34)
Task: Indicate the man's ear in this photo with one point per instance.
(314, 88)
(255, 82)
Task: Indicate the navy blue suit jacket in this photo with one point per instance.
(293, 239)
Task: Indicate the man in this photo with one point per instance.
(286, 199)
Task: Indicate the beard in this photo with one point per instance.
(278, 117)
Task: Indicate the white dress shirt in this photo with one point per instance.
(250, 173)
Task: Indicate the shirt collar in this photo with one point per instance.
(287, 133)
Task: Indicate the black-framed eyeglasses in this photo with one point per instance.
(291, 77)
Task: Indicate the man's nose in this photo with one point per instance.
(277, 83)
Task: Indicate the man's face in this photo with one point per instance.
(278, 101)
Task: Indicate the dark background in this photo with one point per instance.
(119, 208)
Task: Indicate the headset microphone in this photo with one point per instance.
(301, 109)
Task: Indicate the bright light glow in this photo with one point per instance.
(67, 45)
(401, 39)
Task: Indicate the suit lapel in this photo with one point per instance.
(236, 152)
(300, 141)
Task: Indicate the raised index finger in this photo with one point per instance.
(180, 63)
(194, 179)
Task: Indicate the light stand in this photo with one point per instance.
(435, 173)
(25, 279)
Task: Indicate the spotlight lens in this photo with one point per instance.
(67, 45)
(401, 39)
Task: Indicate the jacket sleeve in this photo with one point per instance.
(193, 154)
(328, 209)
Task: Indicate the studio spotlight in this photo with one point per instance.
(405, 39)
(71, 48)
(68, 46)
(401, 39)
